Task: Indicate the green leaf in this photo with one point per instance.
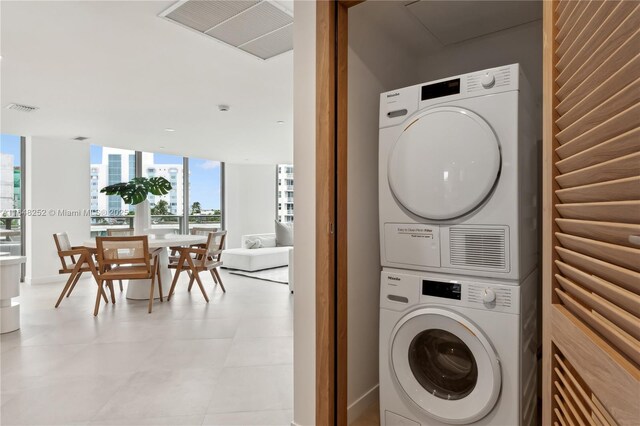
(137, 189)
(158, 185)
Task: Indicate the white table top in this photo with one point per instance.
(168, 240)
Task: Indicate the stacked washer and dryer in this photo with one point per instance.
(459, 250)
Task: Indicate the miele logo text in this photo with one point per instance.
(391, 95)
(394, 278)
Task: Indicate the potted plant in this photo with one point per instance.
(135, 192)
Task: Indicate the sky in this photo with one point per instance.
(204, 176)
(10, 144)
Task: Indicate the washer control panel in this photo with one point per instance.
(400, 291)
(490, 295)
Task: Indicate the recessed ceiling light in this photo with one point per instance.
(280, 122)
(168, 129)
(224, 108)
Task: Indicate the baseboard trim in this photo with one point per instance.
(359, 406)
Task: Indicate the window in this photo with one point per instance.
(284, 195)
(109, 166)
(194, 200)
(11, 186)
(205, 195)
(166, 210)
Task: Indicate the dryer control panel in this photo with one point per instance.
(398, 105)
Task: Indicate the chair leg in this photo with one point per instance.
(65, 288)
(219, 279)
(99, 293)
(73, 285)
(159, 279)
(192, 276)
(204, 293)
(215, 279)
(175, 279)
(113, 294)
(153, 281)
(120, 285)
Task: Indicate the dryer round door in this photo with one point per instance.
(445, 365)
(444, 164)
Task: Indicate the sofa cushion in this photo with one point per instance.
(255, 259)
(284, 234)
(253, 243)
(267, 240)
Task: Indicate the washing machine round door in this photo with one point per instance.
(444, 164)
(445, 365)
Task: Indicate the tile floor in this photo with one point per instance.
(228, 362)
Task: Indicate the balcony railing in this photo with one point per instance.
(101, 224)
(10, 235)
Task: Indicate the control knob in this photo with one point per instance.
(488, 295)
(488, 80)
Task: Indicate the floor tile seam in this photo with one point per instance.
(280, 364)
(113, 395)
(249, 412)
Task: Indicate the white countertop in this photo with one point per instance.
(12, 260)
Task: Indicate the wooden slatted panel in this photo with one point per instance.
(570, 45)
(621, 145)
(610, 232)
(614, 190)
(592, 211)
(619, 26)
(580, 394)
(616, 168)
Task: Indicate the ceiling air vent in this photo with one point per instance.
(22, 108)
(261, 28)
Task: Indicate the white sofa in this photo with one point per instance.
(268, 256)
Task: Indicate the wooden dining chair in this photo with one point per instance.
(197, 259)
(127, 258)
(75, 261)
(119, 232)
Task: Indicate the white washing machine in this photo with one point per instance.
(457, 350)
(458, 176)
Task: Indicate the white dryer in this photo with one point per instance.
(456, 350)
(458, 176)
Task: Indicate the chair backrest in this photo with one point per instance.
(215, 244)
(118, 232)
(62, 244)
(202, 231)
(133, 250)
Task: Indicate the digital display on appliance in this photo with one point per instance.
(440, 289)
(438, 90)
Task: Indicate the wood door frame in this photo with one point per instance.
(331, 210)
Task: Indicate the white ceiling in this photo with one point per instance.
(424, 27)
(455, 21)
(117, 73)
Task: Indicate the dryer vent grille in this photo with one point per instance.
(478, 247)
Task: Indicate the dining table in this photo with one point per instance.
(140, 289)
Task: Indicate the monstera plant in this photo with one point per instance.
(137, 189)
(135, 192)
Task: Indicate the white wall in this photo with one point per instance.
(250, 200)
(304, 159)
(57, 178)
(376, 64)
(521, 44)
